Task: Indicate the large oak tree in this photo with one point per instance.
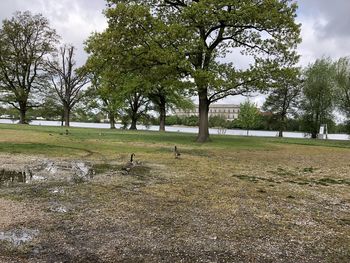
(207, 30)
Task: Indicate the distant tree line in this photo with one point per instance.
(313, 96)
(155, 55)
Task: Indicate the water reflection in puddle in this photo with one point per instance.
(8, 176)
(18, 236)
(47, 170)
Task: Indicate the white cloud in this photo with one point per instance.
(325, 27)
(74, 21)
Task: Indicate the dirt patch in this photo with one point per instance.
(15, 213)
(286, 205)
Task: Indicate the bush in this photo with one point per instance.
(217, 122)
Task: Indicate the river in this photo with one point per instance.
(185, 129)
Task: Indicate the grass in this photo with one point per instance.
(234, 199)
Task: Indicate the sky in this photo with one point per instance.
(325, 27)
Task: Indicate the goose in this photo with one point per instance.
(127, 167)
(177, 153)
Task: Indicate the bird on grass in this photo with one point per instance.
(177, 153)
(127, 167)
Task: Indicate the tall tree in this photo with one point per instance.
(137, 106)
(210, 29)
(136, 64)
(317, 101)
(283, 99)
(103, 93)
(167, 96)
(67, 80)
(25, 42)
(249, 116)
(106, 98)
(342, 80)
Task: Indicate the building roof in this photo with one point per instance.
(222, 105)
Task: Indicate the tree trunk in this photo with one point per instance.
(314, 135)
(22, 116)
(280, 133)
(162, 116)
(133, 125)
(111, 120)
(133, 121)
(203, 133)
(66, 116)
(22, 113)
(282, 126)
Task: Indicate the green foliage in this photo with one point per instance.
(317, 101)
(342, 81)
(343, 127)
(283, 99)
(214, 122)
(131, 65)
(49, 110)
(190, 36)
(173, 120)
(217, 121)
(25, 42)
(249, 116)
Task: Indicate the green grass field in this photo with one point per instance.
(234, 199)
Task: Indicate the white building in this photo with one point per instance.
(227, 111)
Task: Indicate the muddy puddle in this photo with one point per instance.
(18, 236)
(10, 176)
(56, 170)
(76, 171)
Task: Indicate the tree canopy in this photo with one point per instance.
(25, 42)
(249, 116)
(342, 80)
(199, 33)
(283, 99)
(318, 101)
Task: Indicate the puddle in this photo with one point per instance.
(12, 176)
(36, 178)
(57, 191)
(57, 208)
(18, 236)
(82, 172)
(47, 170)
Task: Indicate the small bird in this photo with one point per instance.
(177, 153)
(127, 167)
(67, 132)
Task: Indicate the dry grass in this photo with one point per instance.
(276, 203)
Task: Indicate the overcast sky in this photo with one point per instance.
(325, 25)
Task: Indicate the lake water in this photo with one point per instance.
(185, 129)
